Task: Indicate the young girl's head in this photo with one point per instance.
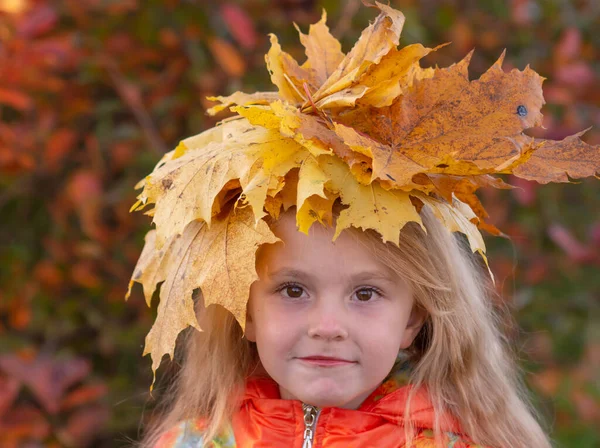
(318, 298)
(362, 302)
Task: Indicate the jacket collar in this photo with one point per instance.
(387, 402)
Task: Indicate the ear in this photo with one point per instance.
(415, 322)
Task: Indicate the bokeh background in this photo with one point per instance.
(93, 92)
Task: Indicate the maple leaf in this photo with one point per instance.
(377, 40)
(152, 266)
(448, 124)
(369, 206)
(219, 261)
(556, 161)
(333, 78)
(396, 72)
(242, 99)
(310, 187)
(323, 51)
(184, 189)
(457, 217)
(464, 188)
(308, 130)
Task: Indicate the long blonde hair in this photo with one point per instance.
(460, 355)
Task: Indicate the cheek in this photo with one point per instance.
(275, 330)
(382, 334)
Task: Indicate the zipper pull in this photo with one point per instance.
(310, 414)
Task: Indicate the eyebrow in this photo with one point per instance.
(360, 276)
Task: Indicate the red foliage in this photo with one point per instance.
(92, 93)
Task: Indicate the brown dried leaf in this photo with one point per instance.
(556, 161)
(448, 124)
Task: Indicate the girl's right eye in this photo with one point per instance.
(293, 290)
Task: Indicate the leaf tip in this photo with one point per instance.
(467, 59)
(500, 61)
(129, 287)
(324, 16)
(134, 206)
(437, 47)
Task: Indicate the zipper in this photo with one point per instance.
(311, 415)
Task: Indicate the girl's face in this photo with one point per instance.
(318, 298)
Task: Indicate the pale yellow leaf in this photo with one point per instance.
(151, 267)
(323, 51)
(457, 217)
(242, 99)
(221, 262)
(184, 189)
(374, 43)
(311, 182)
(285, 72)
(370, 206)
(226, 268)
(287, 120)
(395, 73)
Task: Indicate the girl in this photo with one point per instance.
(353, 343)
(382, 332)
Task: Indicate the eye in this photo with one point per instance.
(293, 290)
(366, 294)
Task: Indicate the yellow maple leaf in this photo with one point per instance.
(184, 189)
(152, 266)
(457, 217)
(242, 99)
(464, 188)
(311, 182)
(369, 206)
(219, 261)
(377, 40)
(323, 51)
(310, 131)
(332, 78)
(395, 73)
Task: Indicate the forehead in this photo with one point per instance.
(316, 252)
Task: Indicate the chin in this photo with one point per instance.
(322, 392)
(325, 400)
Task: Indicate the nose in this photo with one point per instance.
(327, 321)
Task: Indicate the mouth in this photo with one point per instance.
(325, 361)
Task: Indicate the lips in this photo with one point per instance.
(325, 358)
(325, 361)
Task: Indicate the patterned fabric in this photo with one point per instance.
(190, 434)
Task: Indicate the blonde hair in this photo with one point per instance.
(460, 355)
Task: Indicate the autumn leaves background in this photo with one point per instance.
(133, 80)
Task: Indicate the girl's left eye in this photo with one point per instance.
(294, 291)
(366, 297)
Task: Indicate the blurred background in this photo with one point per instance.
(93, 92)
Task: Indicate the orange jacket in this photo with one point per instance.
(266, 420)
